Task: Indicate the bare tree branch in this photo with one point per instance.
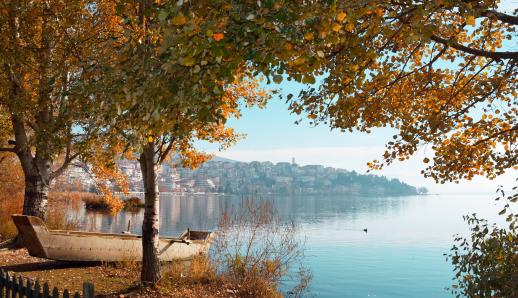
(476, 52)
(64, 166)
(511, 130)
(506, 18)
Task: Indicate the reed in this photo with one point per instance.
(134, 204)
(108, 203)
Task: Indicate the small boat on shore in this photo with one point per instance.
(103, 247)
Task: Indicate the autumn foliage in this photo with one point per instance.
(438, 72)
(11, 193)
(11, 200)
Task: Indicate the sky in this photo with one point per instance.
(273, 136)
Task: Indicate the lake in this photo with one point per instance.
(401, 255)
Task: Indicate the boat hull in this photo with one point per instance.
(86, 246)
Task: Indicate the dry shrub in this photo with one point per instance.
(70, 200)
(199, 269)
(7, 207)
(11, 193)
(254, 248)
(11, 200)
(58, 217)
(105, 202)
(198, 275)
(134, 204)
(60, 220)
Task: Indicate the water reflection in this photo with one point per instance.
(400, 256)
(178, 213)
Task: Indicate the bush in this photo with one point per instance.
(57, 212)
(254, 248)
(486, 264)
(11, 193)
(7, 207)
(106, 202)
(133, 204)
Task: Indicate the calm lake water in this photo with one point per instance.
(401, 255)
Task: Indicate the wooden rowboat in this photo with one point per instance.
(86, 246)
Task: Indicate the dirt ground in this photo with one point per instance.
(107, 279)
(110, 280)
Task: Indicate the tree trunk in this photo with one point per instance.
(38, 174)
(150, 273)
(37, 171)
(36, 196)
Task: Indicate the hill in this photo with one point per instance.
(287, 178)
(227, 176)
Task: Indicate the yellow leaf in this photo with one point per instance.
(336, 27)
(349, 27)
(150, 139)
(179, 20)
(470, 20)
(309, 36)
(341, 16)
(299, 61)
(308, 79)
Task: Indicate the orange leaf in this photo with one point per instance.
(341, 16)
(179, 20)
(218, 36)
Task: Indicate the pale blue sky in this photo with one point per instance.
(273, 136)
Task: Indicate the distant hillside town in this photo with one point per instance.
(232, 177)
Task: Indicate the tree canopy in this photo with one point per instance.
(168, 87)
(442, 73)
(46, 46)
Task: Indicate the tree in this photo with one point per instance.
(156, 103)
(441, 73)
(422, 190)
(180, 71)
(176, 59)
(46, 46)
(486, 264)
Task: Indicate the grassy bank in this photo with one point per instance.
(180, 279)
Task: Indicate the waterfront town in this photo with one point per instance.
(232, 177)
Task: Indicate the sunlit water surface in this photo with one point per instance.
(401, 255)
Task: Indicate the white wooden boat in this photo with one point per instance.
(87, 246)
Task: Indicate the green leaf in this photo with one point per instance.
(187, 61)
(162, 15)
